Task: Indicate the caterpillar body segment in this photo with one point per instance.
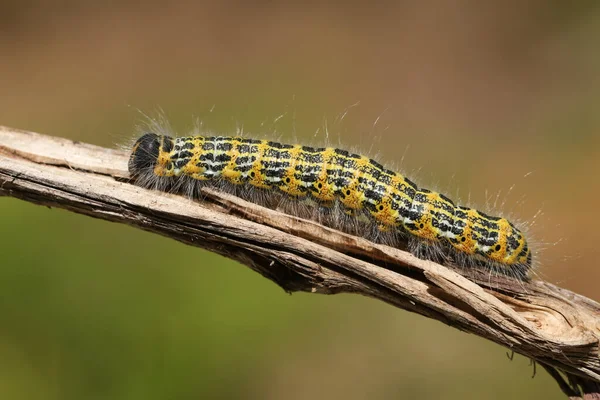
(331, 176)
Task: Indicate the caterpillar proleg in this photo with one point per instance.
(335, 181)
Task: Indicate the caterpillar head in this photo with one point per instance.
(144, 154)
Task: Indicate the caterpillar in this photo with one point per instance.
(363, 189)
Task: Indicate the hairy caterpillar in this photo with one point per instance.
(335, 179)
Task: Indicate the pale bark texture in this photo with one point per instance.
(557, 328)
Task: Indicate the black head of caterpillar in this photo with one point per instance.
(358, 184)
(144, 154)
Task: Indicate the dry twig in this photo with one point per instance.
(557, 328)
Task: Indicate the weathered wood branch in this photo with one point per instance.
(555, 327)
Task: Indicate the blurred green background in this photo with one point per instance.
(468, 98)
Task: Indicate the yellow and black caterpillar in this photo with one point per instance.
(336, 178)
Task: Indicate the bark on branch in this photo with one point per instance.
(557, 328)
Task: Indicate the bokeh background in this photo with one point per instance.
(472, 98)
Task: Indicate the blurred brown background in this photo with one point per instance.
(465, 97)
